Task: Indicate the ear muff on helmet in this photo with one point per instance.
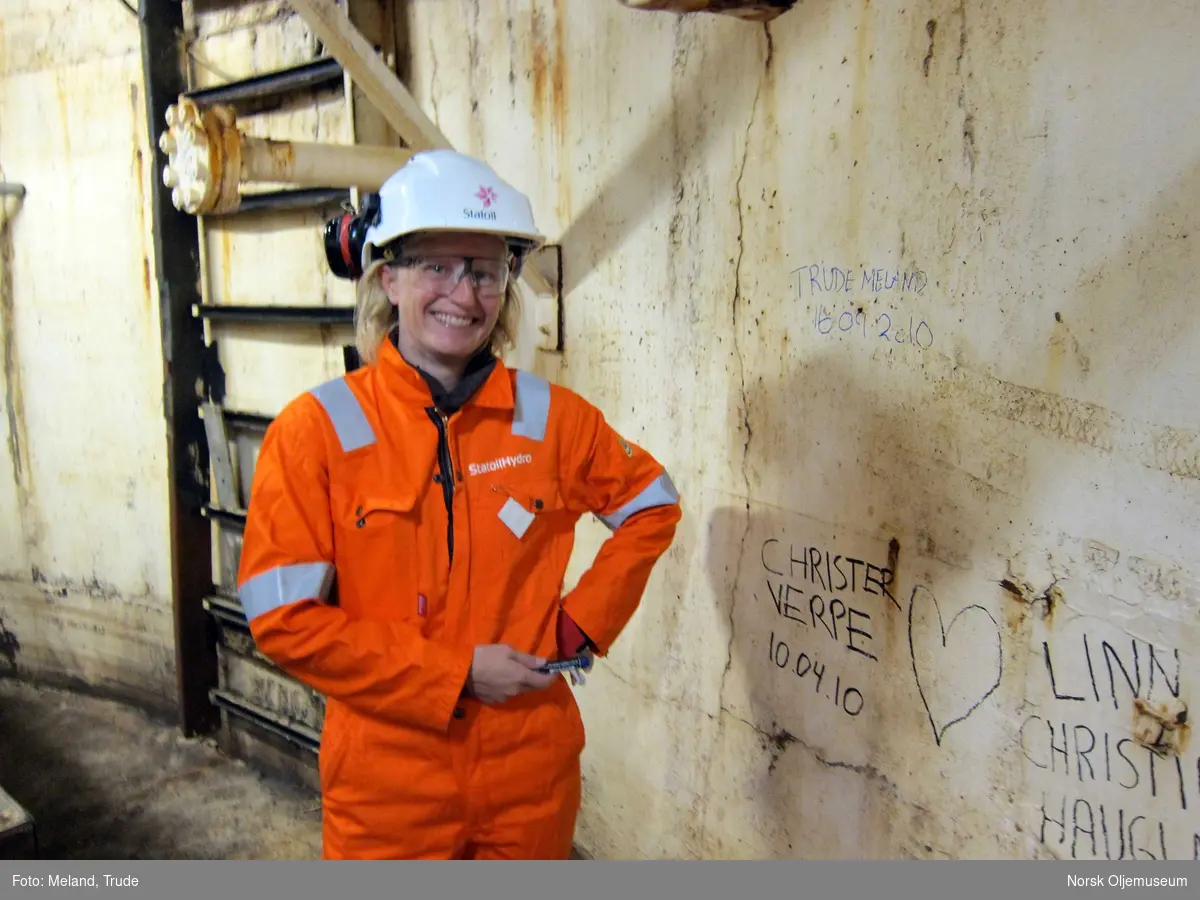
(518, 260)
(521, 251)
(345, 235)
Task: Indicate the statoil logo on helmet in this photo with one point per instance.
(486, 195)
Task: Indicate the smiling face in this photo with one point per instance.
(441, 328)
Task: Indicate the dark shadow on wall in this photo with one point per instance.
(1137, 308)
(821, 431)
(710, 99)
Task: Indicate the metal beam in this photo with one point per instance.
(177, 273)
(230, 518)
(228, 612)
(294, 733)
(247, 421)
(300, 198)
(304, 315)
(255, 93)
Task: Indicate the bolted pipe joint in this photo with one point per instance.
(208, 159)
(203, 158)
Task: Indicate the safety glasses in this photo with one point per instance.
(489, 276)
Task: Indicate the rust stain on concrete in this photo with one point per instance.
(539, 69)
(138, 175)
(1162, 727)
(558, 73)
(226, 268)
(558, 103)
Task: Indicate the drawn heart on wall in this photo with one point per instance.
(956, 667)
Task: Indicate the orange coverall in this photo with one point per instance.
(357, 580)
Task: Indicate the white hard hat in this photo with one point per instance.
(443, 190)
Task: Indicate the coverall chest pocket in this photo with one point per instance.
(528, 513)
(376, 551)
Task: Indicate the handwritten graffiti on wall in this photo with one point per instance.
(856, 320)
(1144, 663)
(831, 600)
(836, 577)
(837, 599)
(1099, 782)
(822, 279)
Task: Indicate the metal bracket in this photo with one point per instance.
(547, 309)
(11, 197)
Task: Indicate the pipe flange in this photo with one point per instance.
(203, 158)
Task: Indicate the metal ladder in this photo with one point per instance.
(213, 447)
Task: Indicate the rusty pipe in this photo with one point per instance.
(319, 165)
(208, 159)
(749, 10)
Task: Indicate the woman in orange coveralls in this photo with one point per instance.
(408, 532)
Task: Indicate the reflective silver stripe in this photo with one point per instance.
(531, 406)
(660, 492)
(286, 584)
(516, 517)
(346, 413)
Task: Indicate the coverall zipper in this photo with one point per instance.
(446, 473)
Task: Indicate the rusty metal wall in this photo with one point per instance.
(904, 296)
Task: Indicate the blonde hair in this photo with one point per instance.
(375, 316)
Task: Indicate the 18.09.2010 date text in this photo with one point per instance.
(884, 327)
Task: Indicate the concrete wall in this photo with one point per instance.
(902, 294)
(905, 297)
(84, 565)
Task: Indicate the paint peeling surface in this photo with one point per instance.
(910, 323)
